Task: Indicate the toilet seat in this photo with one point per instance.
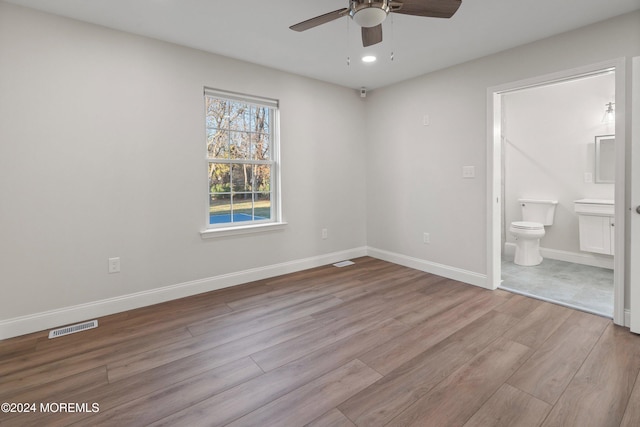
(527, 225)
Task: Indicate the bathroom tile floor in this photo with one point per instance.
(578, 286)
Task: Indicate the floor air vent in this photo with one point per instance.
(343, 263)
(55, 333)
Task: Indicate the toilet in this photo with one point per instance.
(536, 214)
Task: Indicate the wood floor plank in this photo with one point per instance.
(510, 407)
(333, 418)
(548, 372)
(388, 357)
(41, 373)
(598, 393)
(251, 395)
(420, 282)
(331, 331)
(242, 347)
(519, 306)
(444, 405)
(308, 402)
(245, 322)
(632, 412)
(385, 281)
(444, 296)
(537, 326)
(234, 293)
(133, 387)
(79, 384)
(123, 399)
(166, 401)
(20, 346)
(387, 398)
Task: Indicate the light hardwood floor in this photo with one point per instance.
(372, 344)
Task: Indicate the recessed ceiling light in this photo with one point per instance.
(368, 58)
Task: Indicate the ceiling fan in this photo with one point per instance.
(370, 14)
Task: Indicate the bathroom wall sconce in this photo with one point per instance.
(609, 113)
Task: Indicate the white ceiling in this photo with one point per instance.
(258, 31)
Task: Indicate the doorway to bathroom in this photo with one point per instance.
(546, 146)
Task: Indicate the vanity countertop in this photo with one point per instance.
(594, 207)
(595, 201)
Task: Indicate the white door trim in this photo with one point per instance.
(494, 162)
(634, 220)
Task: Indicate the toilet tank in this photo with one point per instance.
(541, 211)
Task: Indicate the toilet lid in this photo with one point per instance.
(526, 225)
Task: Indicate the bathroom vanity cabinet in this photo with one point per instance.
(596, 225)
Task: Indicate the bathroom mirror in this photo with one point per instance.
(605, 159)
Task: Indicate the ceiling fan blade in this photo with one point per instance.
(319, 20)
(371, 35)
(429, 8)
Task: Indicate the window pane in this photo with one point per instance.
(242, 178)
(219, 178)
(262, 178)
(260, 119)
(260, 146)
(217, 113)
(217, 144)
(219, 208)
(262, 206)
(242, 207)
(239, 116)
(239, 145)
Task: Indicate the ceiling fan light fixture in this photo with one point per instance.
(370, 16)
(369, 58)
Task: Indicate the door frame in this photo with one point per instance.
(634, 219)
(494, 170)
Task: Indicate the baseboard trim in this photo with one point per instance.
(449, 272)
(55, 318)
(627, 318)
(592, 260)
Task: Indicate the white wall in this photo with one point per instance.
(414, 172)
(102, 154)
(549, 145)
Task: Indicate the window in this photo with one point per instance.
(242, 154)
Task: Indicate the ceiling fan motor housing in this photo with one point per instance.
(369, 13)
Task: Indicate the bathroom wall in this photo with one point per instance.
(549, 148)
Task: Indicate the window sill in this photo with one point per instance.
(243, 229)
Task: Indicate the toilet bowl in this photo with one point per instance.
(527, 235)
(536, 214)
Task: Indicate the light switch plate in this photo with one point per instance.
(588, 178)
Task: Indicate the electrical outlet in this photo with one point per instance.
(468, 171)
(114, 265)
(325, 233)
(426, 239)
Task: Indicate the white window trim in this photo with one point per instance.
(244, 229)
(255, 227)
